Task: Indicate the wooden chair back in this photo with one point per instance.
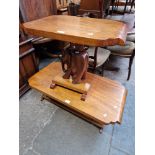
(92, 6)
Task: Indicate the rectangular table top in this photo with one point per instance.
(80, 30)
(104, 103)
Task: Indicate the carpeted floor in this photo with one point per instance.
(48, 130)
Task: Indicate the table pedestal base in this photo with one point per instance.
(81, 88)
(75, 58)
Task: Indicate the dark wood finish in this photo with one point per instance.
(76, 59)
(73, 9)
(49, 47)
(30, 10)
(95, 8)
(92, 6)
(27, 65)
(35, 9)
(104, 103)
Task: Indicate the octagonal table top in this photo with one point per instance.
(80, 30)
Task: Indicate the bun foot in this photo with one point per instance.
(53, 85)
(83, 97)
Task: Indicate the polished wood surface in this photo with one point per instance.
(85, 31)
(104, 103)
(83, 87)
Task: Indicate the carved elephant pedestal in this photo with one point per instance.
(74, 64)
(76, 60)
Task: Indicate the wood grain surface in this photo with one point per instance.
(84, 31)
(104, 103)
(83, 87)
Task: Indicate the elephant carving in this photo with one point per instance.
(76, 61)
(66, 60)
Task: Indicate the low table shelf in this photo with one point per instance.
(104, 103)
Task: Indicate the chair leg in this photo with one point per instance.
(103, 67)
(112, 3)
(102, 70)
(130, 64)
(132, 4)
(125, 6)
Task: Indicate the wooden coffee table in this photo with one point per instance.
(104, 100)
(104, 103)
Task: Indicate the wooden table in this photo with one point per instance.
(104, 104)
(105, 98)
(79, 30)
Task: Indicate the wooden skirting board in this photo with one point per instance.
(105, 99)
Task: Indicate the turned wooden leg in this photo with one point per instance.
(130, 64)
